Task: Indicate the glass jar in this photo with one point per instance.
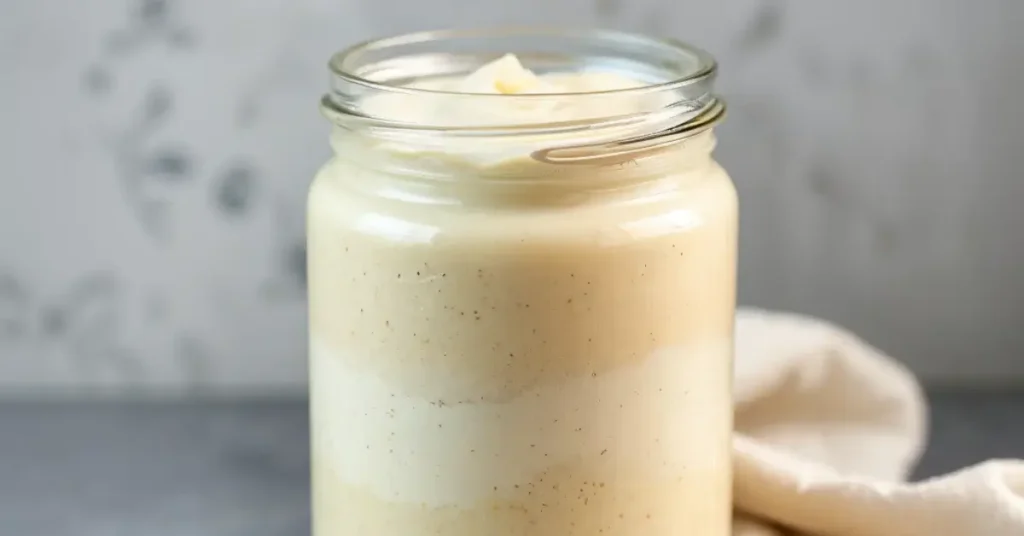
(522, 328)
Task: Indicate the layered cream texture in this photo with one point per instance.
(487, 363)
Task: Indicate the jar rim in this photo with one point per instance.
(344, 64)
(676, 89)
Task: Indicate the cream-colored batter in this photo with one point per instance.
(548, 358)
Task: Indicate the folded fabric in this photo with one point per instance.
(828, 429)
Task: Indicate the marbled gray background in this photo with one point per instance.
(155, 154)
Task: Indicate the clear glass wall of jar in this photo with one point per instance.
(525, 327)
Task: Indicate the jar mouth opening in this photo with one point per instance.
(356, 64)
(673, 99)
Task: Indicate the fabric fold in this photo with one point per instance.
(829, 428)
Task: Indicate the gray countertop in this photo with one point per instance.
(241, 468)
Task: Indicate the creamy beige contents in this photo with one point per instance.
(546, 369)
(506, 76)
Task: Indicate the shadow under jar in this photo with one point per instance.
(521, 300)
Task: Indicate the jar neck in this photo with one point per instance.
(521, 116)
(490, 173)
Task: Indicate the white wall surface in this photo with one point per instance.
(155, 154)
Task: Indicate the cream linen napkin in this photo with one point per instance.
(828, 429)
